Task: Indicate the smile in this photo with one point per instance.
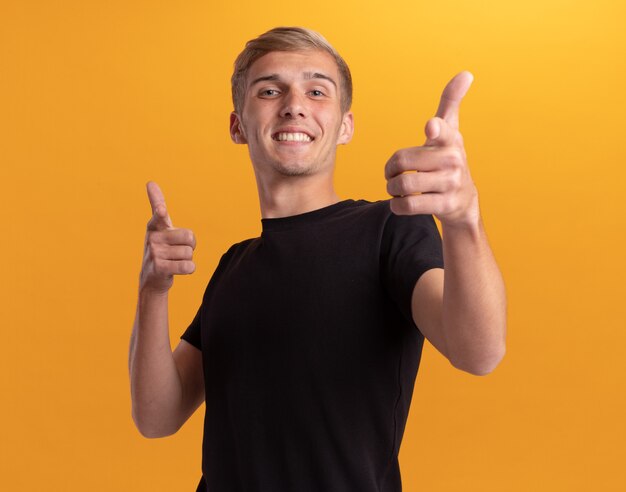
(291, 137)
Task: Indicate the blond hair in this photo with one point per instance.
(286, 39)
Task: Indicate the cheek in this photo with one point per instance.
(333, 127)
(329, 122)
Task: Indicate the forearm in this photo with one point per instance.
(156, 389)
(474, 300)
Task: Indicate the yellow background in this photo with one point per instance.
(96, 98)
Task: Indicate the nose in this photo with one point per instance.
(294, 106)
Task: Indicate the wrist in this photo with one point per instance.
(470, 228)
(470, 222)
(152, 292)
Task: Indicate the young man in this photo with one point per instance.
(309, 337)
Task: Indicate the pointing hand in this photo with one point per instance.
(442, 185)
(168, 250)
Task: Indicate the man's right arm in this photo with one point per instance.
(166, 387)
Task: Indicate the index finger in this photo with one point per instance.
(154, 195)
(452, 96)
(157, 203)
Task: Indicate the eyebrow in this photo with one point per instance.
(318, 75)
(307, 76)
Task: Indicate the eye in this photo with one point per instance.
(269, 92)
(316, 92)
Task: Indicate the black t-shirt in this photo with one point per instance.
(310, 352)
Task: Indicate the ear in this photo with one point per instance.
(236, 129)
(347, 129)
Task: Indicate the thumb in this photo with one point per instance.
(452, 96)
(439, 133)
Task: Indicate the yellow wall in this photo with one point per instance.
(96, 98)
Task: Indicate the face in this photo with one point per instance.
(291, 117)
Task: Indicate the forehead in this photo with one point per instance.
(293, 65)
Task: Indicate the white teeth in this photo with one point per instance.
(293, 137)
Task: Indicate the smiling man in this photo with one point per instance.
(307, 342)
(292, 115)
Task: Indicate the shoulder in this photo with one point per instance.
(373, 212)
(236, 250)
(423, 221)
(400, 231)
(239, 246)
(382, 210)
(393, 231)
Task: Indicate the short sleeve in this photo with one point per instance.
(410, 245)
(193, 333)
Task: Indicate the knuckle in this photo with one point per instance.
(402, 160)
(413, 208)
(170, 237)
(455, 179)
(391, 187)
(391, 166)
(455, 158)
(394, 187)
(451, 204)
(388, 187)
(417, 182)
(404, 185)
(185, 267)
(387, 170)
(392, 205)
(404, 205)
(395, 206)
(438, 204)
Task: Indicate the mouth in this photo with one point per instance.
(292, 137)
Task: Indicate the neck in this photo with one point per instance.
(292, 195)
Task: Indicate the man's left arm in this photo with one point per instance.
(460, 309)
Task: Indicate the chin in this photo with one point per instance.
(295, 168)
